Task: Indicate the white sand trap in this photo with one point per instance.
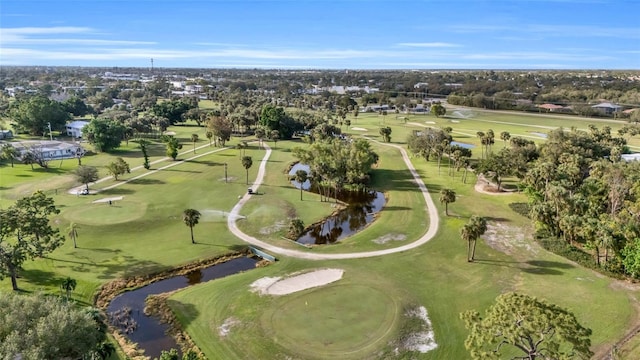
(429, 122)
(290, 285)
(358, 129)
(455, 121)
(117, 198)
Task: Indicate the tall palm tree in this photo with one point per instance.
(191, 218)
(301, 176)
(479, 225)
(447, 196)
(72, 232)
(470, 232)
(466, 233)
(247, 162)
(68, 285)
(194, 139)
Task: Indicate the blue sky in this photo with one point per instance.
(319, 34)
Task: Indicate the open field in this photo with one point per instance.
(144, 233)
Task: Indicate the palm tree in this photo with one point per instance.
(505, 136)
(447, 196)
(470, 232)
(194, 139)
(466, 233)
(479, 225)
(209, 136)
(68, 285)
(72, 231)
(301, 176)
(247, 162)
(191, 218)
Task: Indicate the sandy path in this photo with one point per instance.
(434, 219)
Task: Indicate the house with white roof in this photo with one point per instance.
(74, 128)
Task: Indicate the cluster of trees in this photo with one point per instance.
(336, 164)
(40, 327)
(580, 191)
(438, 142)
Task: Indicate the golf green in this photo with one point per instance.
(328, 322)
(120, 211)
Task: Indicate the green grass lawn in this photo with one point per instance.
(144, 233)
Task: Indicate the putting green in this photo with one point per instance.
(120, 211)
(338, 321)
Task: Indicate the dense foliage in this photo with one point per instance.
(336, 163)
(38, 327)
(532, 328)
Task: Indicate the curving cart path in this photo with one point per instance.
(434, 220)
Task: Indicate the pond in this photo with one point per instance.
(463, 145)
(126, 311)
(361, 211)
(305, 185)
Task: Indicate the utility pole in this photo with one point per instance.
(152, 65)
(225, 172)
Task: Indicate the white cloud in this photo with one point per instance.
(429, 45)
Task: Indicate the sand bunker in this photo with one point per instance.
(117, 198)
(278, 286)
(358, 129)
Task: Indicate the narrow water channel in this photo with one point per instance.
(126, 311)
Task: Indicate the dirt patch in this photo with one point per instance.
(485, 186)
(225, 328)
(273, 228)
(511, 240)
(424, 340)
(296, 282)
(389, 237)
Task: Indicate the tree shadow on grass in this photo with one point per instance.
(129, 266)
(187, 312)
(117, 191)
(146, 181)
(40, 278)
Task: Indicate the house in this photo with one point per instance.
(74, 129)
(49, 150)
(607, 108)
(6, 134)
(550, 107)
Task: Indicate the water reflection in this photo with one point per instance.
(361, 211)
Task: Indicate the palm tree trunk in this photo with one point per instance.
(247, 176)
(446, 208)
(473, 251)
(468, 251)
(192, 240)
(300, 191)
